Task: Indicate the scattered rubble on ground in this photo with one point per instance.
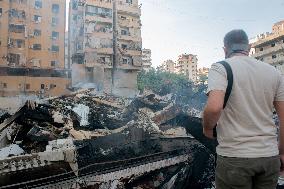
(85, 140)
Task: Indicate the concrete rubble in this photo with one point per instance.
(87, 140)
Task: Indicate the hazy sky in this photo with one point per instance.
(172, 27)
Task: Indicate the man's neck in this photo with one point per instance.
(243, 53)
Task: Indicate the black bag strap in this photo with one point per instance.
(230, 81)
(229, 87)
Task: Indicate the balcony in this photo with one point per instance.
(132, 52)
(100, 3)
(129, 38)
(270, 50)
(97, 18)
(130, 9)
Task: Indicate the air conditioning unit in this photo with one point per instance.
(31, 47)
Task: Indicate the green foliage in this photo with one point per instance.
(162, 83)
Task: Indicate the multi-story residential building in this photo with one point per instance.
(269, 47)
(105, 44)
(168, 66)
(32, 47)
(146, 59)
(202, 75)
(187, 65)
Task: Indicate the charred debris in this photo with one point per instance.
(86, 140)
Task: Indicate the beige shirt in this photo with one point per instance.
(246, 128)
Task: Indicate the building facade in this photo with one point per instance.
(32, 47)
(269, 47)
(105, 45)
(146, 59)
(187, 65)
(168, 66)
(202, 75)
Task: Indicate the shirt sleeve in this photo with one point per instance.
(280, 90)
(217, 78)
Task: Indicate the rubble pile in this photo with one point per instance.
(87, 140)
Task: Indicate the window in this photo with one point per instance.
(122, 17)
(94, 10)
(123, 46)
(5, 85)
(38, 4)
(54, 63)
(124, 61)
(261, 49)
(273, 45)
(28, 86)
(20, 43)
(274, 56)
(55, 8)
(55, 35)
(37, 32)
(124, 32)
(42, 86)
(16, 28)
(0, 11)
(54, 21)
(129, 1)
(55, 48)
(37, 18)
(51, 86)
(36, 47)
(14, 58)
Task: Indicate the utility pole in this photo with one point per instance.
(115, 49)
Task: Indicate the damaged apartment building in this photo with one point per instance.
(32, 48)
(269, 47)
(105, 45)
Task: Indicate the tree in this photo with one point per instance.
(183, 90)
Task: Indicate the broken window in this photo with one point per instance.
(55, 21)
(14, 59)
(125, 31)
(37, 32)
(55, 35)
(20, 43)
(94, 10)
(123, 46)
(274, 56)
(54, 63)
(17, 13)
(16, 28)
(52, 86)
(273, 45)
(261, 49)
(28, 86)
(42, 86)
(37, 18)
(55, 48)
(129, 1)
(55, 8)
(36, 46)
(38, 4)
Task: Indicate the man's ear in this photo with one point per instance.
(249, 47)
(225, 51)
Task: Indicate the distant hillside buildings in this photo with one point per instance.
(186, 64)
